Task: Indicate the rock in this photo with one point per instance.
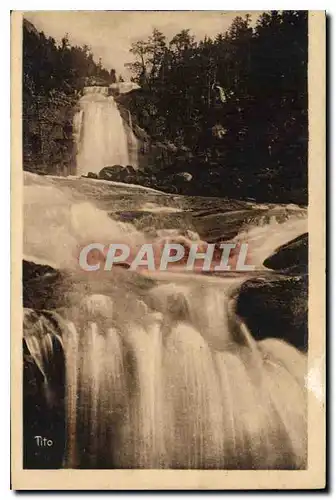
(115, 173)
(43, 393)
(92, 175)
(130, 170)
(292, 257)
(276, 308)
(41, 286)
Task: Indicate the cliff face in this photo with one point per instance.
(47, 133)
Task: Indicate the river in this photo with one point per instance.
(159, 371)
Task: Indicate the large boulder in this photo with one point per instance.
(42, 286)
(92, 175)
(293, 256)
(116, 173)
(130, 170)
(276, 307)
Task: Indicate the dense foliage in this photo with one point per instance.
(232, 110)
(53, 76)
(238, 103)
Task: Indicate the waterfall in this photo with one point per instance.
(147, 388)
(158, 374)
(101, 136)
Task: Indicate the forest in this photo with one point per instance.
(53, 77)
(233, 108)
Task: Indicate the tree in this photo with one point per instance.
(249, 84)
(113, 77)
(149, 56)
(53, 78)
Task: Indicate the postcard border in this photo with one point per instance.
(65, 479)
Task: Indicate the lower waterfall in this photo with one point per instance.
(159, 374)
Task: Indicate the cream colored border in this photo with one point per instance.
(314, 476)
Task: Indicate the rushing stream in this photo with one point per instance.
(102, 137)
(160, 372)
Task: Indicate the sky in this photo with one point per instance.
(111, 33)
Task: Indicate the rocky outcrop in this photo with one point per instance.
(276, 307)
(291, 257)
(113, 173)
(42, 286)
(43, 391)
(92, 175)
(120, 173)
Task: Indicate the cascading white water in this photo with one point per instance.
(147, 388)
(165, 376)
(100, 133)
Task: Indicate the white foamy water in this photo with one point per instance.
(264, 239)
(163, 381)
(101, 135)
(163, 376)
(56, 226)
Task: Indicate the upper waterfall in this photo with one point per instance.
(102, 137)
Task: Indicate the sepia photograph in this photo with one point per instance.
(165, 317)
